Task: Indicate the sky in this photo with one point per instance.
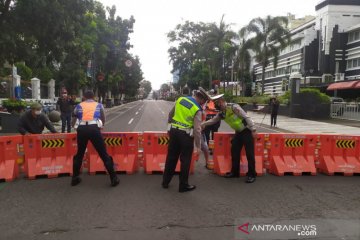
(155, 18)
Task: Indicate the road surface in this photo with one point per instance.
(140, 209)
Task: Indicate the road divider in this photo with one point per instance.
(155, 151)
(122, 146)
(222, 154)
(339, 154)
(11, 152)
(51, 155)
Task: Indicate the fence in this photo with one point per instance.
(349, 111)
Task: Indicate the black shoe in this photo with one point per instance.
(231, 175)
(115, 181)
(250, 179)
(187, 188)
(164, 185)
(75, 181)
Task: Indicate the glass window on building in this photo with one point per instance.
(356, 36)
(349, 64)
(355, 63)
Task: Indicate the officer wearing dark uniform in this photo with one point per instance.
(185, 126)
(245, 133)
(91, 118)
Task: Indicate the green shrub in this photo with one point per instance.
(321, 97)
(14, 105)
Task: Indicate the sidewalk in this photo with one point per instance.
(287, 124)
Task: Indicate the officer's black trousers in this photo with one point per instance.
(92, 133)
(243, 138)
(180, 145)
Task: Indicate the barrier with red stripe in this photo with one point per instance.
(10, 153)
(155, 150)
(49, 154)
(122, 146)
(339, 154)
(292, 153)
(222, 154)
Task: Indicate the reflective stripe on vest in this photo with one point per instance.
(234, 121)
(185, 111)
(89, 110)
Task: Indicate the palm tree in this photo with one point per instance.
(243, 60)
(215, 42)
(271, 35)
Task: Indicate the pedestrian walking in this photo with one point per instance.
(274, 108)
(34, 121)
(245, 132)
(91, 118)
(65, 103)
(185, 128)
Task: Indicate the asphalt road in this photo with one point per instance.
(140, 209)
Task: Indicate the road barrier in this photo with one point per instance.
(291, 154)
(10, 154)
(339, 154)
(52, 154)
(155, 150)
(122, 146)
(49, 154)
(222, 154)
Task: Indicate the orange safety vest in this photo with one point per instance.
(210, 108)
(89, 110)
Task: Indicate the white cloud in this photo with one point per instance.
(155, 18)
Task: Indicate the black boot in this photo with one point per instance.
(75, 180)
(110, 168)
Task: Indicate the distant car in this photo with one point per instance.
(337, 100)
(338, 106)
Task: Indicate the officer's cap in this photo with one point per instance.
(203, 93)
(217, 97)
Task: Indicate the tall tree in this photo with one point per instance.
(242, 61)
(269, 36)
(218, 43)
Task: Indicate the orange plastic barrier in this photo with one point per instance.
(122, 146)
(339, 154)
(292, 153)
(49, 154)
(155, 151)
(222, 154)
(10, 153)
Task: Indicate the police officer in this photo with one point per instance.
(91, 118)
(245, 132)
(185, 127)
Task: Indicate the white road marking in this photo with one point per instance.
(136, 113)
(131, 121)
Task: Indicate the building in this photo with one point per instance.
(324, 51)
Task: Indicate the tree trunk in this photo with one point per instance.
(263, 80)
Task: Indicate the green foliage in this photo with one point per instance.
(24, 71)
(321, 97)
(285, 98)
(264, 31)
(14, 105)
(44, 74)
(63, 37)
